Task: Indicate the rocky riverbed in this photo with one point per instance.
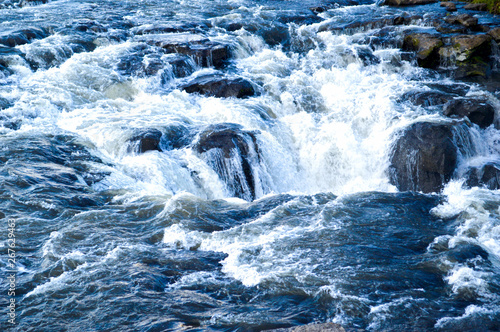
(251, 165)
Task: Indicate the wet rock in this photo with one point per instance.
(231, 152)
(424, 157)
(464, 19)
(450, 6)
(318, 9)
(175, 136)
(173, 27)
(221, 87)
(204, 52)
(478, 111)
(148, 140)
(469, 53)
(400, 3)
(427, 98)
(366, 55)
(450, 28)
(182, 66)
(146, 60)
(89, 26)
(33, 2)
(23, 36)
(277, 34)
(426, 47)
(363, 25)
(326, 327)
(476, 6)
(6, 55)
(4, 103)
(495, 34)
(487, 175)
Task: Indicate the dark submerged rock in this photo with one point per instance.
(175, 136)
(427, 98)
(424, 157)
(487, 175)
(148, 140)
(231, 152)
(4, 103)
(23, 36)
(219, 86)
(478, 111)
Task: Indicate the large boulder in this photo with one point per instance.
(469, 54)
(478, 111)
(219, 86)
(426, 46)
(233, 154)
(424, 157)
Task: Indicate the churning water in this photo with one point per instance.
(108, 238)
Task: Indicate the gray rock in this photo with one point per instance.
(221, 87)
(477, 6)
(231, 152)
(487, 175)
(477, 110)
(424, 157)
(450, 6)
(426, 46)
(464, 19)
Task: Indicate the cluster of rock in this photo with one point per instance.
(425, 156)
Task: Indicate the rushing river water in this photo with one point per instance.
(109, 239)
